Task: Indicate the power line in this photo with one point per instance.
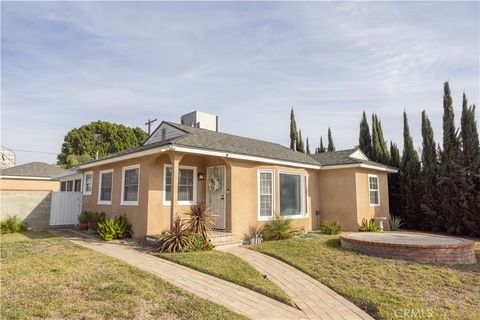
(32, 151)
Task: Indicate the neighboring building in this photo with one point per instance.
(30, 176)
(244, 181)
(26, 191)
(7, 158)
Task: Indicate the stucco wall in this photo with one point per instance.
(365, 210)
(337, 197)
(31, 206)
(23, 184)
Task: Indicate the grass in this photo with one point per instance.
(44, 276)
(231, 268)
(385, 288)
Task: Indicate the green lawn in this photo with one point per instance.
(49, 277)
(385, 288)
(231, 268)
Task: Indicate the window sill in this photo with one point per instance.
(374, 205)
(129, 203)
(87, 194)
(180, 203)
(295, 217)
(104, 202)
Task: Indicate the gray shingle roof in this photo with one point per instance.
(33, 169)
(219, 141)
(341, 157)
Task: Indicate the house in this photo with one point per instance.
(70, 181)
(244, 181)
(26, 191)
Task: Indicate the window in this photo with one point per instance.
(78, 185)
(187, 185)
(130, 180)
(105, 187)
(265, 194)
(70, 185)
(373, 190)
(63, 186)
(88, 181)
(292, 194)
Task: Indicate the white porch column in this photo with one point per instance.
(175, 159)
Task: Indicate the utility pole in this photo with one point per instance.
(149, 124)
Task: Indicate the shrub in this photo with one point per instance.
(114, 228)
(395, 223)
(330, 227)
(369, 226)
(94, 218)
(13, 224)
(277, 229)
(196, 242)
(175, 239)
(84, 216)
(200, 219)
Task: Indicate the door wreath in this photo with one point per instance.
(214, 184)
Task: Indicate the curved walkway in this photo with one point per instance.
(315, 299)
(232, 296)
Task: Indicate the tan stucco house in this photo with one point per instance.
(244, 181)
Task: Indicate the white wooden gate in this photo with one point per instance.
(66, 206)
(216, 199)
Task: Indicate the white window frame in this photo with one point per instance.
(377, 190)
(130, 203)
(181, 203)
(259, 217)
(85, 192)
(100, 176)
(303, 195)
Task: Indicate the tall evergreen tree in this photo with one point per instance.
(365, 139)
(308, 147)
(300, 143)
(331, 146)
(452, 178)
(430, 219)
(375, 141)
(293, 131)
(379, 145)
(409, 171)
(394, 181)
(321, 149)
(471, 158)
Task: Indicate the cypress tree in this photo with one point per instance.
(365, 139)
(394, 181)
(375, 141)
(300, 144)
(471, 158)
(384, 155)
(410, 167)
(331, 146)
(293, 131)
(308, 147)
(321, 149)
(428, 176)
(452, 179)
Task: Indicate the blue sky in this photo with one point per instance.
(66, 64)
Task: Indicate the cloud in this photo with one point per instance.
(65, 64)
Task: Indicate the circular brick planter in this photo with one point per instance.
(418, 247)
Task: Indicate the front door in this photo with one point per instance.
(216, 187)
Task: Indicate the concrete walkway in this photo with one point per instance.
(232, 296)
(312, 297)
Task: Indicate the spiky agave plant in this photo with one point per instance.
(174, 239)
(200, 219)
